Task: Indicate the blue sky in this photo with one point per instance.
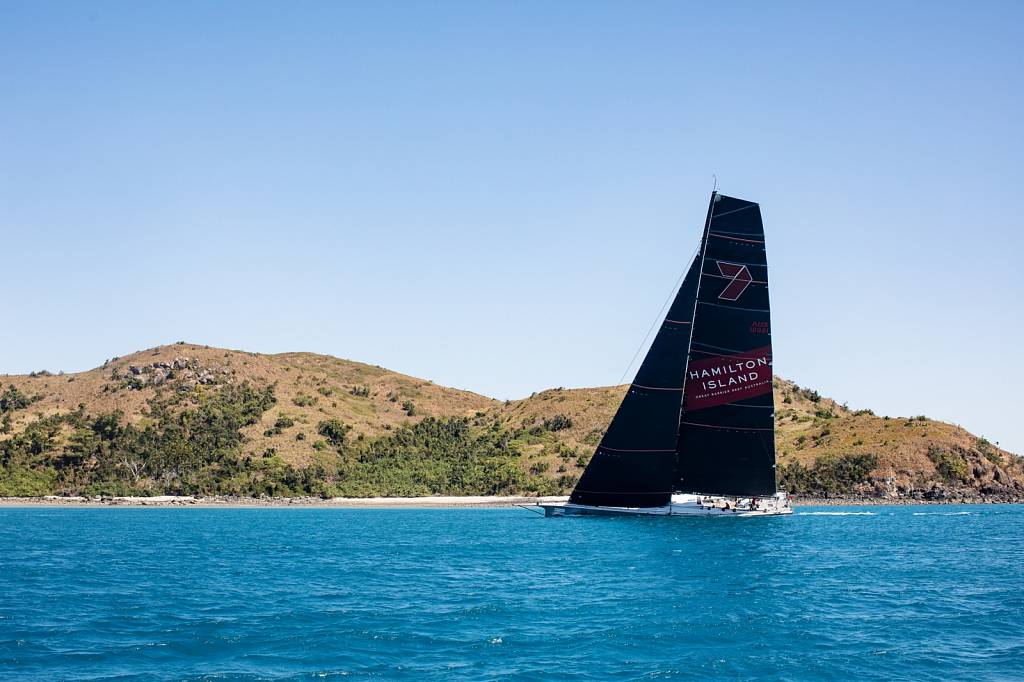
(499, 196)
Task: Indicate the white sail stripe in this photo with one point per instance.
(718, 349)
(738, 355)
(741, 234)
(735, 210)
(735, 238)
(726, 428)
(734, 262)
(730, 307)
(711, 345)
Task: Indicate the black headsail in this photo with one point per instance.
(635, 463)
(727, 427)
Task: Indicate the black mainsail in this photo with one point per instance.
(727, 429)
(699, 416)
(635, 463)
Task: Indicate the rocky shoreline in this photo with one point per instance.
(446, 502)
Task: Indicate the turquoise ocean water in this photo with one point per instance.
(278, 594)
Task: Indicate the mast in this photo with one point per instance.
(693, 314)
(726, 439)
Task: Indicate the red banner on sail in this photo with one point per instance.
(728, 378)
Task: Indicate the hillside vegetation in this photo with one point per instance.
(188, 419)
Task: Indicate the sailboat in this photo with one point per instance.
(695, 432)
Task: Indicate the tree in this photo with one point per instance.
(335, 431)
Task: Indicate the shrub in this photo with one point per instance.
(558, 423)
(360, 391)
(813, 396)
(950, 465)
(434, 456)
(566, 482)
(21, 481)
(828, 475)
(335, 431)
(990, 453)
(303, 400)
(409, 408)
(12, 399)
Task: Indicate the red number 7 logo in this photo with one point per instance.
(740, 280)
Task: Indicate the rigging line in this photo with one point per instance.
(671, 294)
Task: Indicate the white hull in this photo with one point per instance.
(684, 505)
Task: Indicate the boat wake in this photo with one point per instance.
(837, 513)
(959, 513)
